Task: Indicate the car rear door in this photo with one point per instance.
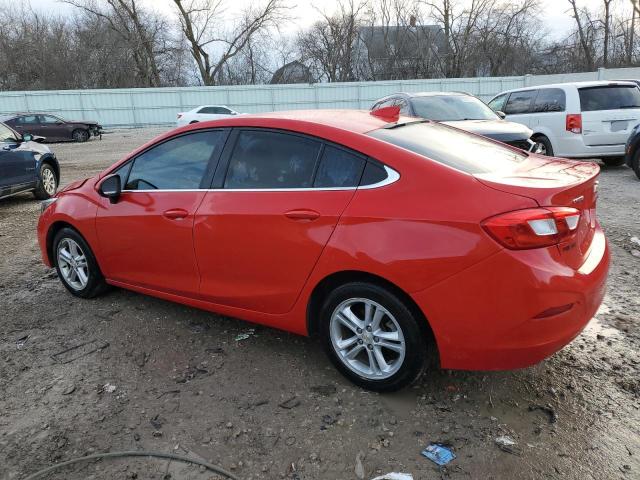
(609, 113)
(146, 238)
(276, 200)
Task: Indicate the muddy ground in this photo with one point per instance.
(153, 375)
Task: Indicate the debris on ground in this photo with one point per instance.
(108, 388)
(395, 476)
(438, 453)
(71, 354)
(290, 403)
(244, 336)
(548, 409)
(508, 444)
(359, 468)
(324, 390)
(21, 341)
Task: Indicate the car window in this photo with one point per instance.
(612, 97)
(497, 103)
(29, 119)
(263, 159)
(373, 173)
(177, 164)
(549, 100)
(519, 102)
(214, 110)
(6, 135)
(384, 104)
(451, 146)
(443, 108)
(404, 106)
(48, 119)
(338, 168)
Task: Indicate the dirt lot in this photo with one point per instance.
(160, 376)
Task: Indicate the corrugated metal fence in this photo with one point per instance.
(159, 106)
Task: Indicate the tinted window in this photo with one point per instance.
(338, 168)
(519, 102)
(6, 135)
(214, 110)
(177, 164)
(29, 119)
(48, 119)
(452, 147)
(123, 172)
(443, 108)
(496, 103)
(609, 98)
(549, 100)
(263, 159)
(373, 174)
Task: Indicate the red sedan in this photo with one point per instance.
(394, 240)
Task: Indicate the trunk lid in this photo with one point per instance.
(558, 183)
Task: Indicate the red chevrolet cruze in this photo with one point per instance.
(392, 239)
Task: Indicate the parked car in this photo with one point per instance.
(632, 150)
(391, 239)
(52, 127)
(460, 110)
(576, 120)
(204, 113)
(26, 166)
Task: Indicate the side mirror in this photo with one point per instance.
(27, 137)
(110, 188)
(501, 114)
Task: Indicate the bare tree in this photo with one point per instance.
(586, 49)
(202, 25)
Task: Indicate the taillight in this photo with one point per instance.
(573, 123)
(533, 227)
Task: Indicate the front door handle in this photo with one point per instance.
(302, 215)
(176, 213)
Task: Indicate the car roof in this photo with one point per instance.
(593, 83)
(423, 94)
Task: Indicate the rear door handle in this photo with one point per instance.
(302, 215)
(176, 213)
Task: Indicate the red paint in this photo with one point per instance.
(258, 255)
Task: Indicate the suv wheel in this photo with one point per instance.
(635, 163)
(543, 146)
(76, 265)
(372, 337)
(613, 161)
(47, 183)
(80, 135)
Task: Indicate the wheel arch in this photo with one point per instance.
(49, 160)
(51, 234)
(334, 280)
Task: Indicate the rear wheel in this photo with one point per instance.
(613, 161)
(542, 146)
(635, 163)
(372, 337)
(80, 135)
(76, 265)
(47, 183)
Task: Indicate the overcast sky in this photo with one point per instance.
(556, 12)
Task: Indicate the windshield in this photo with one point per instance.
(447, 145)
(609, 97)
(6, 134)
(447, 108)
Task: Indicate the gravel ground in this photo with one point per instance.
(152, 375)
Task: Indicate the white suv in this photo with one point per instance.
(579, 120)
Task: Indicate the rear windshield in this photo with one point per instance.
(612, 97)
(450, 146)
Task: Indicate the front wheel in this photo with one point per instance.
(372, 337)
(542, 146)
(80, 135)
(76, 265)
(47, 183)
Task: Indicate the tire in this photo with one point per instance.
(80, 135)
(613, 161)
(405, 362)
(635, 163)
(543, 143)
(81, 257)
(47, 182)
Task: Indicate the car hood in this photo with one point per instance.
(500, 130)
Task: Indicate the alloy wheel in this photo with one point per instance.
(367, 338)
(48, 181)
(73, 264)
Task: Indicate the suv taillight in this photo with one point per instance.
(533, 227)
(574, 123)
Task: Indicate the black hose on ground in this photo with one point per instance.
(168, 456)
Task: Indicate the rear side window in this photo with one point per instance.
(519, 102)
(449, 146)
(263, 160)
(177, 164)
(214, 110)
(338, 168)
(550, 100)
(612, 97)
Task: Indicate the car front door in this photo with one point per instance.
(276, 200)
(17, 166)
(53, 128)
(146, 237)
(28, 124)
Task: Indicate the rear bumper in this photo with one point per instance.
(485, 317)
(574, 147)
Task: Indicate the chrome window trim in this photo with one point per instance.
(392, 177)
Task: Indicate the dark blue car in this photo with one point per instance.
(632, 150)
(26, 166)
